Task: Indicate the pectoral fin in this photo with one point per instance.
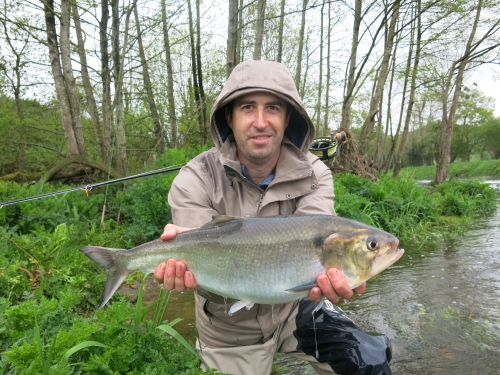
(239, 305)
(302, 288)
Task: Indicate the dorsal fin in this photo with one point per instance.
(220, 219)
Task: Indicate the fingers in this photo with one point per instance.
(360, 289)
(334, 286)
(160, 272)
(174, 276)
(169, 232)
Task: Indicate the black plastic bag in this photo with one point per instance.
(334, 338)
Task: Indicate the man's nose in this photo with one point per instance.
(260, 119)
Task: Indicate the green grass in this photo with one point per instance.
(49, 291)
(458, 169)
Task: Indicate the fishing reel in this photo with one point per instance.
(327, 148)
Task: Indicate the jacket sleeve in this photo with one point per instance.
(189, 197)
(321, 199)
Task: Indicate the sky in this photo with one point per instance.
(487, 79)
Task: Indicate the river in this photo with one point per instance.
(439, 305)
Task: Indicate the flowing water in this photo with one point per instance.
(439, 305)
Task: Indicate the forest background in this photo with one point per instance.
(120, 81)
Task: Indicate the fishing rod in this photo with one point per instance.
(87, 188)
(326, 148)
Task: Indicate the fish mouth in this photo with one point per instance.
(387, 259)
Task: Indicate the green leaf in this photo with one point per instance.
(82, 345)
(172, 332)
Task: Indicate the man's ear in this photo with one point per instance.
(229, 117)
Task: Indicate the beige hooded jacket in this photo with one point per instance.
(212, 184)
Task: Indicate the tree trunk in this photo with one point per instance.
(390, 156)
(259, 29)
(327, 90)
(231, 37)
(448, 118)
(239, 35)
(320, 84)
(194, 71)
(170, 79)
(67, 121)
(106, 106)
(203, 99)
(413, 89)
(16, 86)
(69, 78)
(158, 129)
(385, 160)
(349, 90)
(368, 125)
(118, 106)
(87, 85)
(298, 73)
(280, 31)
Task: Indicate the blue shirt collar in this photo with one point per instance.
(264, 184)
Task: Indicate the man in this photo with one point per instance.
(260, 166)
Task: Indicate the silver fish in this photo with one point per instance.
(266, 260)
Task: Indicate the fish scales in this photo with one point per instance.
(262, 260)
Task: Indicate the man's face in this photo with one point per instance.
(258, 121)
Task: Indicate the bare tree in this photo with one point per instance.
(148, 87)
(320, 84)
(15, 83)
(280, 31)
(413, 89)
(87, 85)
(327, 90)
(118, 106)
(203, 100)
(369, 122)
(57, 73)
(298, 72)
(349, 88)
(170, 78)
(232, 36)
(105, 75)
(259, 29)
(69, 78)
(456, 77)
(196, 70)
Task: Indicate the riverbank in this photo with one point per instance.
(468, 169)
(49, 291)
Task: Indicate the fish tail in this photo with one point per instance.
(105, 257)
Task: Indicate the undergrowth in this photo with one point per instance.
(49, 290)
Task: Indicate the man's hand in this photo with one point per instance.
(333, 286)
(172, 274)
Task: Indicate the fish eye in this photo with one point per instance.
(372, 243)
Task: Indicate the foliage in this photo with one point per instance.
(490, 137)
(49, 290)
(409, 210)
(40, 128)
(145, 203)
(470, 169)
(108, 342)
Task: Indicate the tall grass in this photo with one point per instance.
(49, 290)
(409, 210)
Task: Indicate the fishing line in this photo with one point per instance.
(87, 188)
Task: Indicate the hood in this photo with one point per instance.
(273, 77)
